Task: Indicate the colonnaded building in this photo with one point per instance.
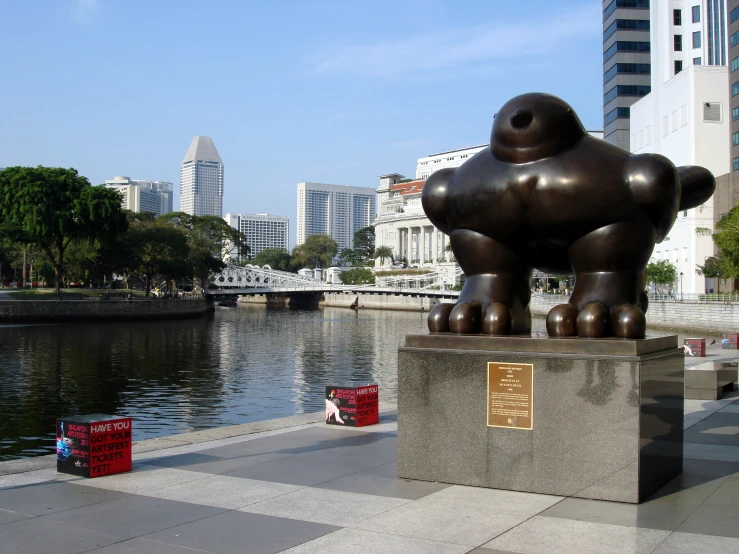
(334, 210)
(401, 222)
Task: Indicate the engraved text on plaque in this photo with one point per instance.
(510, 395)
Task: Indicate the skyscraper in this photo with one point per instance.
(731, 197)
(626, 64)
(201, 179)
(335, 210)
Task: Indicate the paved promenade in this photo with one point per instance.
(297, 485)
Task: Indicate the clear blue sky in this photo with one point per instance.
(328, 91)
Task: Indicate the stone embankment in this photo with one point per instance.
(717, 317)
(50, 311)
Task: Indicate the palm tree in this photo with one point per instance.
(383, 252)
(448, 249)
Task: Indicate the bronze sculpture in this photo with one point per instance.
(547, 195)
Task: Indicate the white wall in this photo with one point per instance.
(671, 121)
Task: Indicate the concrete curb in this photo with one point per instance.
(195, 437)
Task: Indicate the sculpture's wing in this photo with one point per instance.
(434, 197)
(697, 185)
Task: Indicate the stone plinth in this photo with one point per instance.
(607, 415)
(709, 381)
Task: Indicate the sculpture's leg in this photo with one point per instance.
(610, 274)
(495, 297)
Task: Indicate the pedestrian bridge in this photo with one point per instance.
(250, 279)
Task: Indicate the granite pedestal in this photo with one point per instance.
(607, 415)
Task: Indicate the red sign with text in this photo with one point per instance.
(94, 445)
(353, 406)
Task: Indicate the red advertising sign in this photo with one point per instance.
(353, 406)
(93, 445)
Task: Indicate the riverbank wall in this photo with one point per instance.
(715, 317)
(51, 311)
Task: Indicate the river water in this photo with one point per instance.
(239, 365)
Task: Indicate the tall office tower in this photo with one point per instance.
(201, 179)
(730, 198)
(626, 64)
(685, 118)
(143, 196)
(335, 210)
(262, 231)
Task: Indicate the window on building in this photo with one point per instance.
(735, 164)
(697, 39)
(735, 139)
(610, 8)
(735, 89)
(678, 43)
(626, 90)
(626, 69)
(625, 24)
(613, 115)
(678, 66)
(696, 61)
(734, 40)
(625, 46)
(734, 114)
(735, 64)
(696, 14)
(734, 15)
(677, 17)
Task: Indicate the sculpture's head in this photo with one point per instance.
(533, 126)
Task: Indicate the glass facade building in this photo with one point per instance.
(626, 64)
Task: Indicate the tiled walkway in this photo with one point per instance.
(316, 488)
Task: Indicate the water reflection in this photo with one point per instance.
(241, 365)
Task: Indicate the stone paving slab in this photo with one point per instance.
(308, 487)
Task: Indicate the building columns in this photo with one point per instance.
(422, 245)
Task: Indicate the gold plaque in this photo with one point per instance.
(510, 395)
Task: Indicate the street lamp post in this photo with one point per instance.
(681, 286)
(718, 285)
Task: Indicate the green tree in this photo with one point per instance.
(357, 276)
(50, 207)
(383, 252)
(661, 272)
(350, 257)
(210, 240)
(161, 251)
(276, 258)
(711, 268)
(316, 251)
(364, 244)
(726, 239)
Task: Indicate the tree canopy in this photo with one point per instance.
(316, 251)
(276, 258)
(661, 272)
(50, 207)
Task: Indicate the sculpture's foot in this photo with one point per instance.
(470, 318)
(595, 320)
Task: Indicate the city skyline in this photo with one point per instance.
(332, 92)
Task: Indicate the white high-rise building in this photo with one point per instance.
(262, 231)
(685, 117)
(143, 196)
(335, 210)
(201, 179)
